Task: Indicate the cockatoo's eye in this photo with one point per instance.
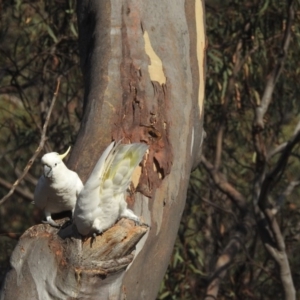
(55, 164)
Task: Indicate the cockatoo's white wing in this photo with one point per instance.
(88, 199)
(93, 181)
(79, 186)
(102, 200)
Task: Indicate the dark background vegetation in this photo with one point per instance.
(38, 43)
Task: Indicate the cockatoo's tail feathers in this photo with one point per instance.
(62, 156)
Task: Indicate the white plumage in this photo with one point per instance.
(102, 200)
(58, 188)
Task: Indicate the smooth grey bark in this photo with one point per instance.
(138, 108)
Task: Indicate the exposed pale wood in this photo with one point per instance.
(46, 266)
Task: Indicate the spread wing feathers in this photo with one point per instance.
(93, 181)
(118, 171)
(102, 200)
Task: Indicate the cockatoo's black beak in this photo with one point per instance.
(47, 171)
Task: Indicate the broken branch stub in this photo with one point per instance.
(47, 263)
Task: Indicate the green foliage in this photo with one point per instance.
(38, 44)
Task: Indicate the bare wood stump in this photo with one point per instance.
(48, 263)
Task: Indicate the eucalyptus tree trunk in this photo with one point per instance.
(143, 64)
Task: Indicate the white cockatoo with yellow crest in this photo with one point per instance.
(58, 187)
(102, 201)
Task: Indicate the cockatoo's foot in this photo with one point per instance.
(93, 238)
(145, 224)
(129, 214)
(52, 223)
(49, 220)
(137, 222)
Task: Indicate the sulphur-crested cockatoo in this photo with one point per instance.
(102, 201)
(58, 187)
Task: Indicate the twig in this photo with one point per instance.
(237, 67)
(223, 263)
(275, 151)
(290, 188)
(39, 148)
(275, 174)
(11, 235)
(275, 73)
(238, 238)
(18, 172)
(260, 111)
(282, 146)
(268, 226)
(220, 208)
(224, 185)
(278, 253)
(20, 191)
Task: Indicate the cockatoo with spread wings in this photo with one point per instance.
(58, 187)
(102, 201)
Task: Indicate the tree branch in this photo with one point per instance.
(223, 263)
(39, 148)
(268, 226)
(237, 240)
(275, 73)
(275, 174)
(223, 185)
(260, 111)
(282, 146)
(25, 194)
(219, 208)
(278, 253)
(290, 188)
(238, 63)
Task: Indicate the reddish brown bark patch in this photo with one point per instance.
(135, 122)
